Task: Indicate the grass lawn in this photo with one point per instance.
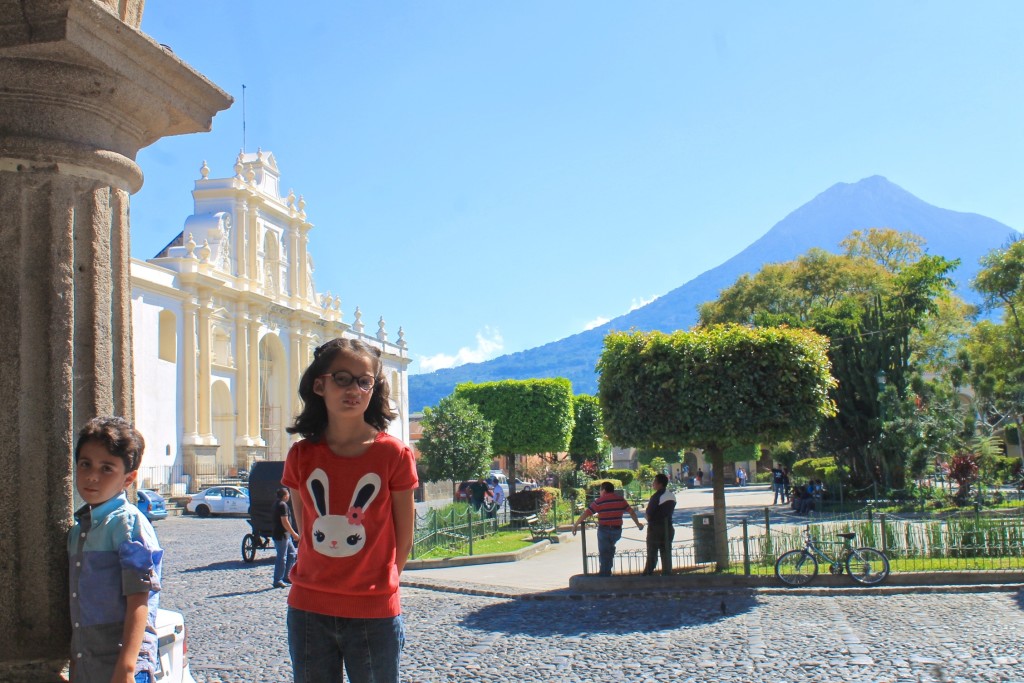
(501, 542)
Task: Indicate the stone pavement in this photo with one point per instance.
(236, 630)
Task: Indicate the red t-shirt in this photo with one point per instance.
(346, 563)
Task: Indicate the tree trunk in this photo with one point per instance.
(718, 496)
(511, 473)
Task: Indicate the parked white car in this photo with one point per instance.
(220, 500)
(172, 663)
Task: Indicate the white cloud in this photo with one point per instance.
(601, 320)
(488, 345)
(640, 303)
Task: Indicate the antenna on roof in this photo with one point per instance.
(243, 117)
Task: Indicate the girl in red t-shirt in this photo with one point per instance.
(352, 485)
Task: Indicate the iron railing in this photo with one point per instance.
(971, 542)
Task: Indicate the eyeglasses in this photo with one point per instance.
(345, 379)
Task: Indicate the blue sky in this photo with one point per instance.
(493, 176)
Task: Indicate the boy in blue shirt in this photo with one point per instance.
(115, 561)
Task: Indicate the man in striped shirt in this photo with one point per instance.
(609, 508)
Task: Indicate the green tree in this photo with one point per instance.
(456, 442)
(713, 388)
(871, 301)
(646, 456)
(587, 442)
(996, 349)
(530, 416)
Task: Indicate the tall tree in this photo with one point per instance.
(587, 442)
(456, 441)
(530, 416)
(870, 301)
(713, 388)
(996, 349)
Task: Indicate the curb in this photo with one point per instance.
(582, 587)
(492, 558)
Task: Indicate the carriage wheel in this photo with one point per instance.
(249, 544)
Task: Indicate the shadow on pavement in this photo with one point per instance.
(230, 564)
(571, 615)
(1019, 599)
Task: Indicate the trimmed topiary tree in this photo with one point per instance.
(713, 388)
(530, 416)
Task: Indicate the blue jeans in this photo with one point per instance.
(369, 649)
(285, 558)
(780, 492)
(607, 537)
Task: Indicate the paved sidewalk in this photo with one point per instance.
(552, 568)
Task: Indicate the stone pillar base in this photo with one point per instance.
(245, 456)
(200, 466)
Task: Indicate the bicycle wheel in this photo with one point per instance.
(249, 544)
(867, 566)
(796, 568)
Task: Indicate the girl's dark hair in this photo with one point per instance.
(312, 421)
(118, 436)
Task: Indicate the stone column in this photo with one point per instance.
(189, 360)
(82, 92)
(203, 411)
(242, 376)
(255, 423)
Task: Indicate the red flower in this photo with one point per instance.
(355, 516)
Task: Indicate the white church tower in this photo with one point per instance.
(225, 320)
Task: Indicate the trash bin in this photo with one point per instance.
(704, 537)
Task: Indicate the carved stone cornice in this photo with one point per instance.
(86, 91)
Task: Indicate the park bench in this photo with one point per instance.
(539, 531)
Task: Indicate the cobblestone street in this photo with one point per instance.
(236, 629)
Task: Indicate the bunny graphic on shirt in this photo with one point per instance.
(340, 535)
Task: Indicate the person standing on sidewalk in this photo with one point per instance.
(285, 539)
(777, 485)
(660, 531)
(609, 508)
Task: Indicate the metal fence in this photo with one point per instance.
(179, 481)
(452, 532)
(970, 542)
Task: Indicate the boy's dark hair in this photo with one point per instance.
(661, 478)
(312, 421)
(281, 493)
(118, 436)
(607, 487)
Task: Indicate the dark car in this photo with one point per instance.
(152, 505)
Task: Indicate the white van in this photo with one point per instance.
(172, 664)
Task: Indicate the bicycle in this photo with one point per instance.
(866, 566)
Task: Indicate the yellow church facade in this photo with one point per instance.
(225, 320)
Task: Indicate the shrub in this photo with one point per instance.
(574, 495)
(523, 503)
(594, 487)
(625, 477)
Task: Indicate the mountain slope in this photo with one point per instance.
(822, 222)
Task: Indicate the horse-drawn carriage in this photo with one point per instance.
(264, 481)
